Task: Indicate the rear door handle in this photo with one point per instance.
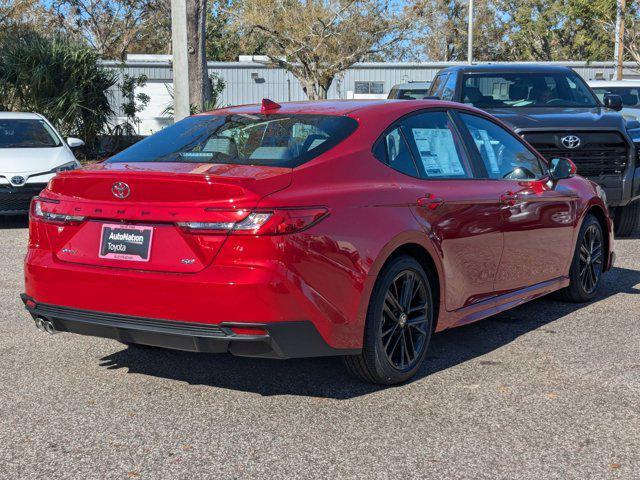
(430, 201)
(508, 198)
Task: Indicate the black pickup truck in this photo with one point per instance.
(555, 111)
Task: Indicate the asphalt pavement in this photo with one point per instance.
(546, 391)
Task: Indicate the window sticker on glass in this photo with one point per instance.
(491, 154)
(438, 152)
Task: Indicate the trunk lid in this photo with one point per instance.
(156, 195)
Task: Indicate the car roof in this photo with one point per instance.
(508, 68)
(20, 116)
(340, 107)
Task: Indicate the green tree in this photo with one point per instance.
(555, 30)
(59, 78)
(109, 26)
(225, 40)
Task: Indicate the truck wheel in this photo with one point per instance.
(627, 219)
(398, 326)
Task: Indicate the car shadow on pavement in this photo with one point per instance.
(326, 378)
(14, 221)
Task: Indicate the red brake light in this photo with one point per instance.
(284, 221)
(278, 221)
(38, 211)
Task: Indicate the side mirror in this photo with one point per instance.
(74, 142)
(560, 168)
(614, 102)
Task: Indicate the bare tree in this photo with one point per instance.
(24, 12)
(110, 26)
(317, 39)
(440, 30)
(632, 33)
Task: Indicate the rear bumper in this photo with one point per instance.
(281, 339)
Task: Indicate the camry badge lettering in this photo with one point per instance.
(571, 141)
(120, 190)
(188, 261)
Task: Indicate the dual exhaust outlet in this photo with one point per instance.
(45, 325)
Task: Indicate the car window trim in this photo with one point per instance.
(544, 166)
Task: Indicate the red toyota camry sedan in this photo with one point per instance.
(353, 228)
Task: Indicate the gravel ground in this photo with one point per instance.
(548, 390)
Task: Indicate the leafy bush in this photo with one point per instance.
(59, 78)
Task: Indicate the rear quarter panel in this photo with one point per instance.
(339, 258)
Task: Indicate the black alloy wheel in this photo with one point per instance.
(404, 319)
(588, 262)
(398, 326)
(591, 258)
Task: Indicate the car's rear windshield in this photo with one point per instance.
(514, 90)
(630, 95)
(413, 94)
(27, 133)
(250, 139)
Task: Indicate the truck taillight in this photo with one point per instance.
(278, 221)
(38, 212)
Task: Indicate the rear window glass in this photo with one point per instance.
(413, 94)
(271, 140)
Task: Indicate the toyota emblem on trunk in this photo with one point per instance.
(120, 190)
(571, 141)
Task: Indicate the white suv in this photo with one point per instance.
(629, 91)
(31, 153)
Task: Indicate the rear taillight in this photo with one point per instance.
(38, 211)
(279, 221)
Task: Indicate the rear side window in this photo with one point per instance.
(424, 145)
(393, 150)
(271, 140)
(436, 147)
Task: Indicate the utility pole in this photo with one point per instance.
(619, 53)
(470, 34)
(180, 65)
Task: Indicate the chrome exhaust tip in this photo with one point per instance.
(46, 326)
(40, 324)
(49, 328)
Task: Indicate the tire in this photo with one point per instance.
(585, 274)
(627, 219)
(397, 331)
